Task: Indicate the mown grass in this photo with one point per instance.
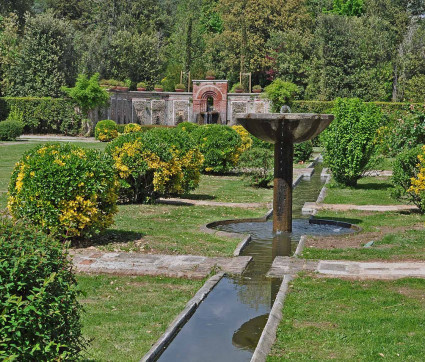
(396, 235)
(124, 316)
(344, 320)
(229, 189)
(369, 191)
(170, 229)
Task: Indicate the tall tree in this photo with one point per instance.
(46, 59)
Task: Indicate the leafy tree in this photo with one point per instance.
(46, 59)
(9, 48)
(348, 7)
(136, 56)
(87, 93)
(352, 58)
(247, 26)
(19, 7)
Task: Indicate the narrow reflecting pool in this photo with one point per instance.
(229, 322)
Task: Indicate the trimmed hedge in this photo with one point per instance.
(388, 108)
(38, 297)
(42, 115)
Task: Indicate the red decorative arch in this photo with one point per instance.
(202, 90)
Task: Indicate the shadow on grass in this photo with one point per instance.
(341, 219)
(197, 197)
(374, 186)
(110, 236)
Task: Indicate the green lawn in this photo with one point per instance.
(344, 320)
(396, 236)
(171, 229)
(124, 316)
(229, 189)
(369, 191)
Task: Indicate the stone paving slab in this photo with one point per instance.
(180, 266)
(349, 269)
(285, 265)
(311, 207)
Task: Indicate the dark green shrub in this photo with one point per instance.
(405, 168)
(187, 126)
(65, 189)
(106, 130)
(42, 115)
(38, 298)
(406, 131)
(303, 151)
(10, 130)
(121, 128)
(257, 164)
(220, 145)
(161, 162)
(351, 139)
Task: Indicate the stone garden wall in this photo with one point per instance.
(172, 108)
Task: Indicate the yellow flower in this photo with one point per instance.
(59, 162)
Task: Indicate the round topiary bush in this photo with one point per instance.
(10, 130)
(132, 127)
(303, 151)
(106, 130)
(38, 297)
(220, 145)
(160, 162)
(65, 189)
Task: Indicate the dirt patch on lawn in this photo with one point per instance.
(356, 240)
(417, 294)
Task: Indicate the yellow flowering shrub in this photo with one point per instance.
(65, 189)
(132, 127)
(417, 182)
(106, 130)
(155, 163)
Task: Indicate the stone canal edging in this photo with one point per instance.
(181, 319)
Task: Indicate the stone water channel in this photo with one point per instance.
(228, 323)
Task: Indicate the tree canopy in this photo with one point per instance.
(371, 49)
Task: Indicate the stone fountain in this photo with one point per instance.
(283, 129)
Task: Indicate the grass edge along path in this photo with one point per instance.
(328, 318)
(124, 316)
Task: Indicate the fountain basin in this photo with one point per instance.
(299, 126)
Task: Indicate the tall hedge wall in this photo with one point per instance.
(42, 115)
(388, 108)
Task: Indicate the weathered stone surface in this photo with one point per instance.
(189, 266)
(350, 269)
(310, 207)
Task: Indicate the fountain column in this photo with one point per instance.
(283, 178)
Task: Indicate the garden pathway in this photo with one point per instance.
(181, 266)
(349, 269)
(312, 207)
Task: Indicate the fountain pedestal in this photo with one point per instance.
(283, 130)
